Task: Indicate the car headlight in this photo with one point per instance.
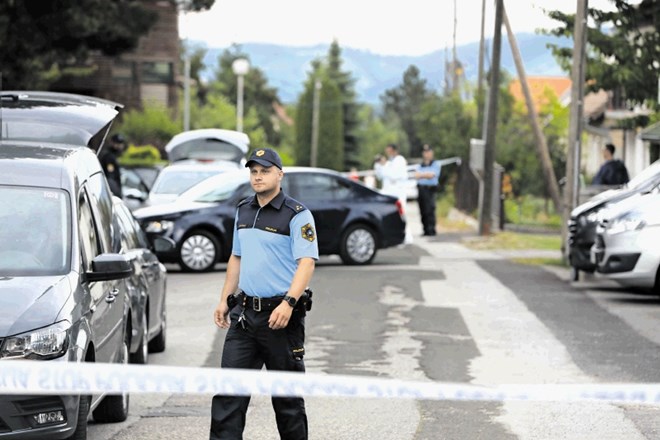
(629, 222)
(45, 343)
(159, 226)
(592, 217)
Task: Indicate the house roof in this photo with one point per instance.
(560, 86)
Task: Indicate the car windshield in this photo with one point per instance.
(172, 181)
(217, 188)
(35, 234)
(647, 173)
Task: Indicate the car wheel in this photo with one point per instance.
(575, 274)
(157, 344)
(81, 426)
(141, 356)
(114, 407)
(199, 251)
(358, 245)
(656, 286)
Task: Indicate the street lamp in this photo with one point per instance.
(241, 67)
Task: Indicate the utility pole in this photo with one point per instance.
(186, 91)
(541, 144)
(480, 75)
(486, 219)
(572, 186)
(454, 61)
(315, 123)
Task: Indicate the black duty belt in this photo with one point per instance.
(259, 304)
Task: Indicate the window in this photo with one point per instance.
(101, 202)
(311, 186)
(157, 72)
(89, 243)
(35, 236)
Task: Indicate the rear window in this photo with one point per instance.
(35, 238)
(177, 181)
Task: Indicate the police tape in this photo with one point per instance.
(34, 377)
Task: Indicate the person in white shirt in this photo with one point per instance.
(392, 171)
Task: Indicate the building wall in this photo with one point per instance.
(146, 74)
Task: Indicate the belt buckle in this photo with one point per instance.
(256, 304)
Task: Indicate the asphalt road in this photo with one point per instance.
(433, 310)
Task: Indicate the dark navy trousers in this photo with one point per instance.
(253, 347)
(426, 198)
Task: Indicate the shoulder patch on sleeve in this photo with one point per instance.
(308, 232)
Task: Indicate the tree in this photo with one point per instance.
(406, 101)
(330, 140)
(374, 133)
(447, 124)
(196, 56)
(350, 107)
(623, 50)
(516, 151)
(258, 95)
(39, 39)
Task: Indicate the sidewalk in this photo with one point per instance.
(450, 242)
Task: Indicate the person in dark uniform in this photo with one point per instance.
(110, 164)
(273, 258)
(427, 175)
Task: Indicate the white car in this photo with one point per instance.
(195, 155)
(627, 246)
(179, 177)
(208, 145)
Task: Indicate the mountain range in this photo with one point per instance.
(287, 67)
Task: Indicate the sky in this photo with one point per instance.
(387, 27)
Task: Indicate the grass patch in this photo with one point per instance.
(514, 240)
(541, 261)
(533, 211)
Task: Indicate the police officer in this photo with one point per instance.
(110, 163)
(273, 257)
(427, 175)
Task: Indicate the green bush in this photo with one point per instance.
(143, 155)
(151, 126)
(530, 210)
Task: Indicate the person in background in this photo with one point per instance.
(392, 171)
(613, 171)
(427, 175)
(110, 164)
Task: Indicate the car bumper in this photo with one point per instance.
(630, 258)
(581, 237)
(17, 416)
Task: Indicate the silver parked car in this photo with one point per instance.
(627, 242)
(147, 285)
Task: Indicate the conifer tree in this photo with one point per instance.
(346, 84)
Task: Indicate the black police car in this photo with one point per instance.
(352, 220)
(584, 218)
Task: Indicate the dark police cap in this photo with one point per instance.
(266, 157)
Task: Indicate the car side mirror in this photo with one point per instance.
(136, 194)
(107, 267)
